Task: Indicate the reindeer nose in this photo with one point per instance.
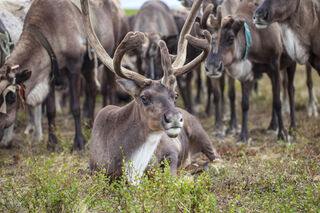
(261, 14)
(174, 119)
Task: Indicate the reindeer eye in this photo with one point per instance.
(176, 96)
(145, 100)
(231, 39)
(10, 98)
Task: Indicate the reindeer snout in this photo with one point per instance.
(214, 70)
(262, 17)
(173, 119)
(172, 123)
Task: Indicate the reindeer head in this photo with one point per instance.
(274, 11)
(11, 93)
(155, 99)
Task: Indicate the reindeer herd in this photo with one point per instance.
(84, 46)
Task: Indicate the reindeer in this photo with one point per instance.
(154, 19)
(216, 81)
(243, 64)
(136, 129)
(45, 32)
(300, 39)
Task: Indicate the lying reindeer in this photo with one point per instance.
(136, 129)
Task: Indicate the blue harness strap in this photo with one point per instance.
(248, 39)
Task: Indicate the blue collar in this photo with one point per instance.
(248, 39)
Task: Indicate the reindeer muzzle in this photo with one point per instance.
(10, 88)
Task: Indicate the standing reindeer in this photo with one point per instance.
(136, 129)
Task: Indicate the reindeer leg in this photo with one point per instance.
(285, 103)
(222, 86)
(104, 87)
(218, 126)
(37, 134)
(209, 94)
(246, 89)
(111, 85)
(275, 79)
(51, 114)
(30, 125)
(189, 92)
(74, 79)
(199, 85)
(182, 84)
(7, 137)
(91, 90)
(291, 90)
(312, 106)
(233, 125)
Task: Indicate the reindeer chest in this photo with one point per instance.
(293, 45)
(241, 70)
(138, 161)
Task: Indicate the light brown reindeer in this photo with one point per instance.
(135, 130)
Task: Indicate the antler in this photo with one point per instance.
(204, 19)
(177, 67)
(215, 21)
(113, 64)
(182, 43)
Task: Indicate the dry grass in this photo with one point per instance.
(267, 176)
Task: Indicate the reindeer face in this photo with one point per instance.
(274, 11)
(8, 103)
(10, 91)
(157, 106)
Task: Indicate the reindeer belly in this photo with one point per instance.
(294, 47)
(137, 163)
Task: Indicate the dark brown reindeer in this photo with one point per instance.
(217, 80)
(300, 38)
(135, 130)
(262, 57)
(298, 24)
(45, 23)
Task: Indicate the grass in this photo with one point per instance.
(268, 176)
(130, 12)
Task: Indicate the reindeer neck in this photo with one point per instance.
(29, 54)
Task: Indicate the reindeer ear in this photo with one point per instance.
(129, 86)
(237, 26)
(22, 76)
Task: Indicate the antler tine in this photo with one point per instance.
(166, 64)
(203, 44)
(182, 43)
(102, 54)
(215, 21)
(131, 41)
(205, 16)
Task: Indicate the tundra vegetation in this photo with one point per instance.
(267, 176)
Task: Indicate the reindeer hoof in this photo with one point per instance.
(218, 134)
(283, 136)
(312, 110)
(243, 139)
(232, 131)
(79, 145)
(36, 139)
(52, 143)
